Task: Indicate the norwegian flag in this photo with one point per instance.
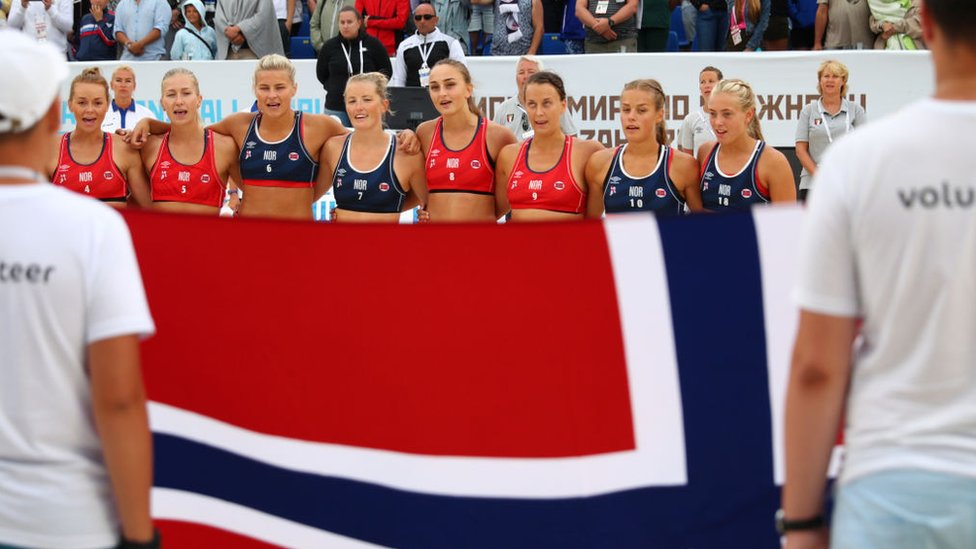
(514, 407)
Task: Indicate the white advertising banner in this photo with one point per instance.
(784, 82)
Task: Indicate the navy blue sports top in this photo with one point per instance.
(739, 191)
(285, 163)
(375, 191)
(654, 192)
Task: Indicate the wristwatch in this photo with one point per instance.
(610, 22)
(784, 525)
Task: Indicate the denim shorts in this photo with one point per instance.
(905, 509)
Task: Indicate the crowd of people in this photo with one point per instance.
(99, 30)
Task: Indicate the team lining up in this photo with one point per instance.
(459, 167)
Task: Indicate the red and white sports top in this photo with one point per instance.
(469, 170)
(200, 183)
(554, 190)
(101, 179)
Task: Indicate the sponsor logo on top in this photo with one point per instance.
(108, 175)
(384, 186)
(660, 193)
(475, 164)
(559, 185)
(205, 178)
(293, 156)
(746, 193)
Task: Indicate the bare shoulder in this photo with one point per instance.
(426, 129)
(683, 160)
(601, 157)
(772, 158)
(224, 142)
(587, 147)
(324, 125)
(704, 150)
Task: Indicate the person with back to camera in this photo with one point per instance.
(189, 167)
(462, 148)
(557, 188)
(669, 184)
(885, 343)
(825, 120)
(696, 128)
(75, 446)
(738, 169)
(351, 52)
(90, 161)
(371, 182)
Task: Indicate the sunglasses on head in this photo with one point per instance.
(424, 17)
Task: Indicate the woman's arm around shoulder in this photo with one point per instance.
(328, 160)
(410, 170)
(234, 126)
(597, 168)
(425, 134)
(684, 174)
(503, 170)
(319, 128)
(498, 136)
(130, 162)
(227, 156)
(777, 174)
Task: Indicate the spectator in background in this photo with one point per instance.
(325, 21)
(610, 26)
(748, 20)
(4, 10)
(125, 112)
(777, 37)
(284, 11)
(825, 120)
(418, 54)
(573, 34)
(297, 19)
(211, 9)
(175, 24)
(843, 25)
(196, 40)
(384, 19)
(139, 28)
(654, 25)
(351, 52)
(803, 14)
(246, 29)
(482, 25)
(512, 115)
(44, 21)
(898, 26)
(455, 17)
(713, 24)
(518, 26)
(97, 34)
(689, 19)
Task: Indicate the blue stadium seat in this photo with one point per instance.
(486, 47)
(552, 45)
(301, 48)
(672, 42)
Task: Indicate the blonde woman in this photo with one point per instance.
(645, 174)
(825, 120)
(93, 162)
(126, 113)
(189, 166)
(738, 169)
(371, 182)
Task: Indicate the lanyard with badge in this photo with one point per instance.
(40, 24)
(424, 71)
(527, 130)
(349, 59)
(602, 6)
(705, 122)
(826, 123)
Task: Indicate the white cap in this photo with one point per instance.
(33, 73)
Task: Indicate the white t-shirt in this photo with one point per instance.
(68, 278)
(891, 237)
(695, 131)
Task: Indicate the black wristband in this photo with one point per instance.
(154, 543)
(784, 525)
